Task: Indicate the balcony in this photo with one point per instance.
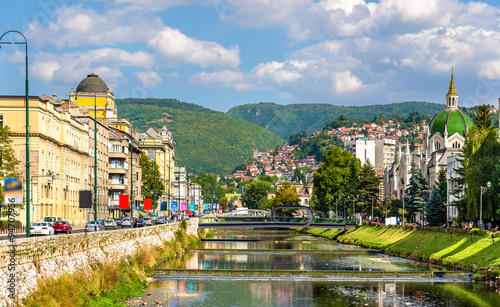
(117, 186)
(122, 171)
(119, 155)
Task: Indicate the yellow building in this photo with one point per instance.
(59, 156)
(151, 141)
(93, 93)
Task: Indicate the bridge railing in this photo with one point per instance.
(283, 219)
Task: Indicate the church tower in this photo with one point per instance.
(452, 96)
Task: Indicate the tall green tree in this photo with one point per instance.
(368, 185)
(481, 155)
(255, 195)
(150, 186)
(298, 176)
(416, 192)
(8, 163)
(442, 184)
(435, 211)
(334, 176)
(286, 196)
(210, 188)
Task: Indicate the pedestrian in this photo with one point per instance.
(466, 225)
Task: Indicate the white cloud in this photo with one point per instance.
(346, 82)
(176, 46)
(148, 78)
(68, 68)
(78, 26)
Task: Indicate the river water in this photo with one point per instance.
(279, 268)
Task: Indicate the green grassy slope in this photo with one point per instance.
(285, 120)
(206, 140)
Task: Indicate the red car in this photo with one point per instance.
(62, 226)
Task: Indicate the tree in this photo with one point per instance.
(333, 178)
(435, 211)
(255, 195)
(483, 118)
(416, 191)
(286, 196)
(149, 184)
(210, 188)
(442, 184)
(368, 185)
(8, 164)
(298, 176)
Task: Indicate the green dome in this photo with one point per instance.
(455, 119)
(92, 82)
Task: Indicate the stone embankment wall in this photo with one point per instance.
(51, 256)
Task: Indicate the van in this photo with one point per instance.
(52, 219)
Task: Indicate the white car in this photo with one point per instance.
(52, 219)
(148, 221)
(42, 228)
(110, 223)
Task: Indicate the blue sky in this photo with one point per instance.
(223, 53)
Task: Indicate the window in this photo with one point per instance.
(1, 121)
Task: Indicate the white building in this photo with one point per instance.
(361, 148)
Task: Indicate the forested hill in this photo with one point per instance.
(206, 141)
(286, 120)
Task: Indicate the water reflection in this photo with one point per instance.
(235, 292)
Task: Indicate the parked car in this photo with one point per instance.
(110, 223)
(118, 222)
(126, 222)
(139, 223)
(62, 226)
(52, 219)
(91, 226)
(42, 228)
(161, 220)
(148, 221)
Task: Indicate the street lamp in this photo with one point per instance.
(27, 127)
(95, 153)
(483, 190)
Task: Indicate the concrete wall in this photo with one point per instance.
(41, 257)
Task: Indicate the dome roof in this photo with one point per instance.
(451, 120)
(92, 82)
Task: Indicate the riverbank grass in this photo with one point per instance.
(475, 253)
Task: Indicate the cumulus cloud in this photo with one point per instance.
(148, 78)
(176, 46)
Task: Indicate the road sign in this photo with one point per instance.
(137, 207)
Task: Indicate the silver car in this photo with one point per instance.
(126, 222)
(94, 225)
(148, 221)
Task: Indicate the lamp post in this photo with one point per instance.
(154, 182)
(95, 154)
(403, 198)
(483, 190)
(336, 207)
(371, 220)
(131, 170)
(26, 88)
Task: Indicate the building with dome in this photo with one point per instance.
(93, 91)
(445, 136)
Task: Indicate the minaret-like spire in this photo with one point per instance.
(452, 90)
(452, 96)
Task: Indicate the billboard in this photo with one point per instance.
(184, 206)
(191, 207)
(163, 206)
(173, 206)
(123, 201)
(148, 204)
(85, 199)
(13, 188)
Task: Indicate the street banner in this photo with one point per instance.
(207, 207)
(13, 188)
(85, 199)
(163, 206)
(184, 206)
(173, 206)
(191, 207)
(123, 201)
(148, 204)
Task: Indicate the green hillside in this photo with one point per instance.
(206, 140)
(285, 120)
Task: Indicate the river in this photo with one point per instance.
(280, 268)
